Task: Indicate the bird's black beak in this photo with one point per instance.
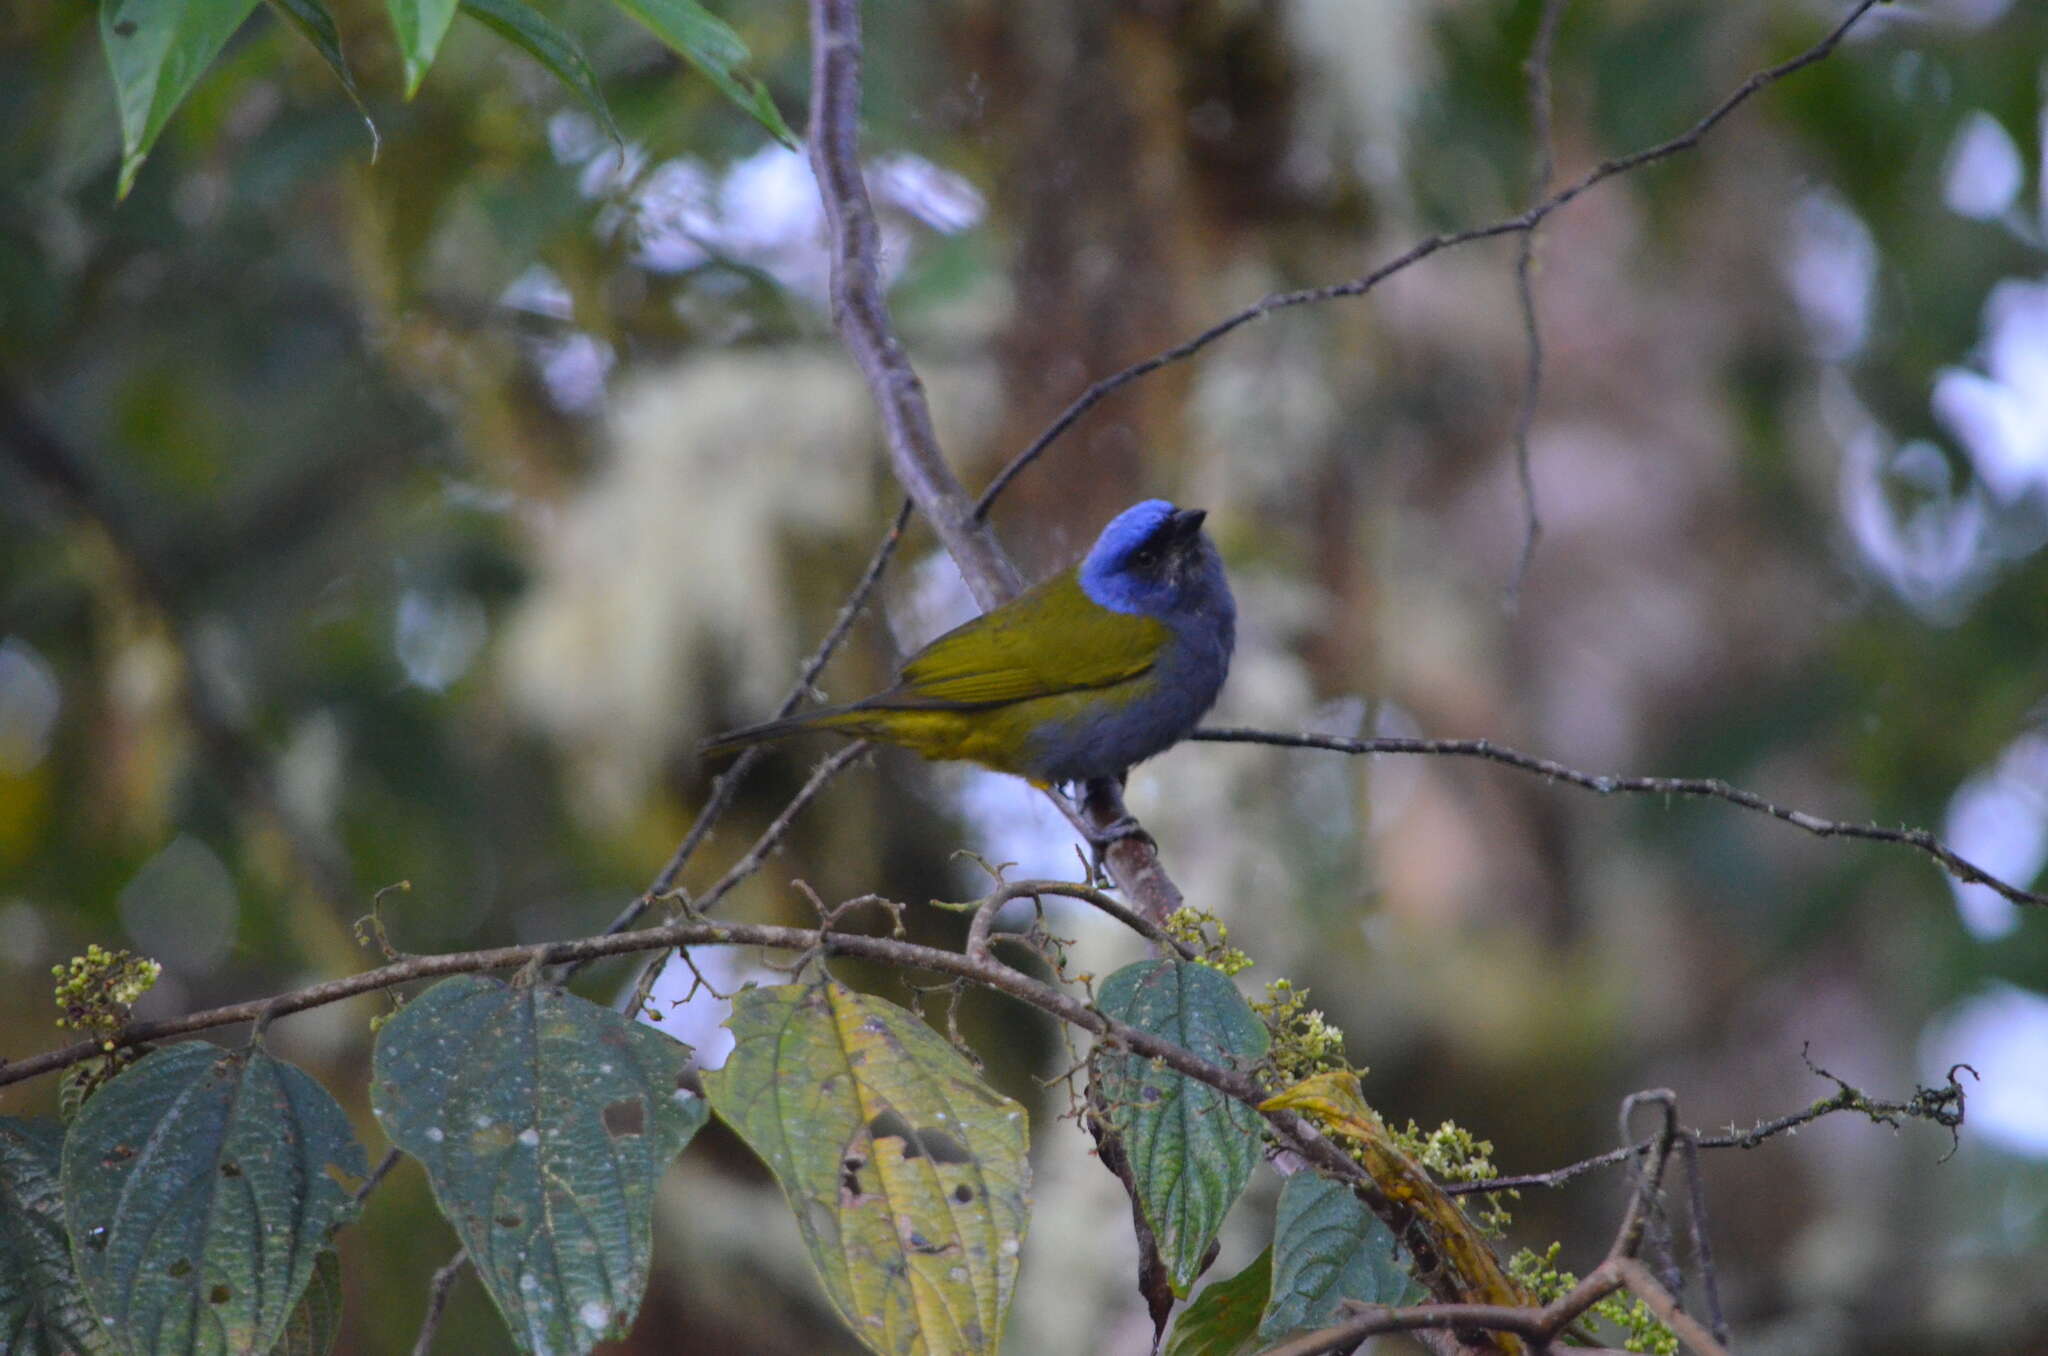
(1186, 523)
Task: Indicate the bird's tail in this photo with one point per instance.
(825, 718)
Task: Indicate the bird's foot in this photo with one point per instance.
(1101, 840)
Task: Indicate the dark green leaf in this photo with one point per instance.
(42, 1311)
(545, 1123)
(420, 25)
(1224, 1319)
(157, 50)
(1327, 1248)
(315, 1324)
(1191, 1149)
(708, 43)
(198, 1192)
(552, 48)
(908, 1175)
(316, 25)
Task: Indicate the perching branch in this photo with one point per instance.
(861, 315)
(1705, 788)
(1520, 224)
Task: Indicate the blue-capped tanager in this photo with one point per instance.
(1098, 668)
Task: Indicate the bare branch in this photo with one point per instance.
(1701, 788)
(1521, 223)
(437, 1300)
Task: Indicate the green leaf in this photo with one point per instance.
(1327, 1248)
(198, 1190)
(42, 1310)
(708, 43)
(420, 25)
(552, 48)
(1224, 1319)
(1191, 1149)
(907, 1174)
(316, 25)
(315, 1324)
(157, 50)
(545, 1123)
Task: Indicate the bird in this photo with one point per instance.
(1110, 661)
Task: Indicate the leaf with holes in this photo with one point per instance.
(1224, 1318)
(1328, 1248)
(908, 1175)
(157, 50)
(316, 26)
(1191, 1149)
(705, 41)
(42, 1310)
(527, 29)
(545, 1123)
(200, 1189)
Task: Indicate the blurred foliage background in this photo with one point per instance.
(413, 520)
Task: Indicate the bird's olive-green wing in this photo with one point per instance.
(1052, 638)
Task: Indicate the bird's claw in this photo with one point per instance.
(1102, 839)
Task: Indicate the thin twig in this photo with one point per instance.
(1525, 291)
(1701, 788)
(1940, 1106)
(1523, 222)
(437, 1300)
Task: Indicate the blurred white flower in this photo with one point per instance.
(2000, 415)
(1983, 175)
(1999, 820)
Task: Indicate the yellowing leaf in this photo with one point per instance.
(1470, 1271)
(907, 1174)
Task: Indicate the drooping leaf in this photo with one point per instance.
(157, 50)
(198, 1194)
(1465, 1260)
(316, 1322)
(42, 1310)
(545, 1123)
(1224, 1318)
(317, 26)
(1327, 1248)
(420, 26)
(1191, 1149)
(907, 1174)
(706, 41)
(525, 28)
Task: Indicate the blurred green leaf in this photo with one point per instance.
(315, 1324)
(313, 21)
(552, 48)
(545, 1122)
(420, 25)
(1327, 1248)
(1191, 1149)
(708, 43)
(157, 50)
(42, 1311)
(199, 1194)
(1224, 1318)
(908, 1176)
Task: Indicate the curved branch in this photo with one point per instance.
(1521, 223)
(1702, 788)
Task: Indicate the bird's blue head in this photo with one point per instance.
(1153, 560)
